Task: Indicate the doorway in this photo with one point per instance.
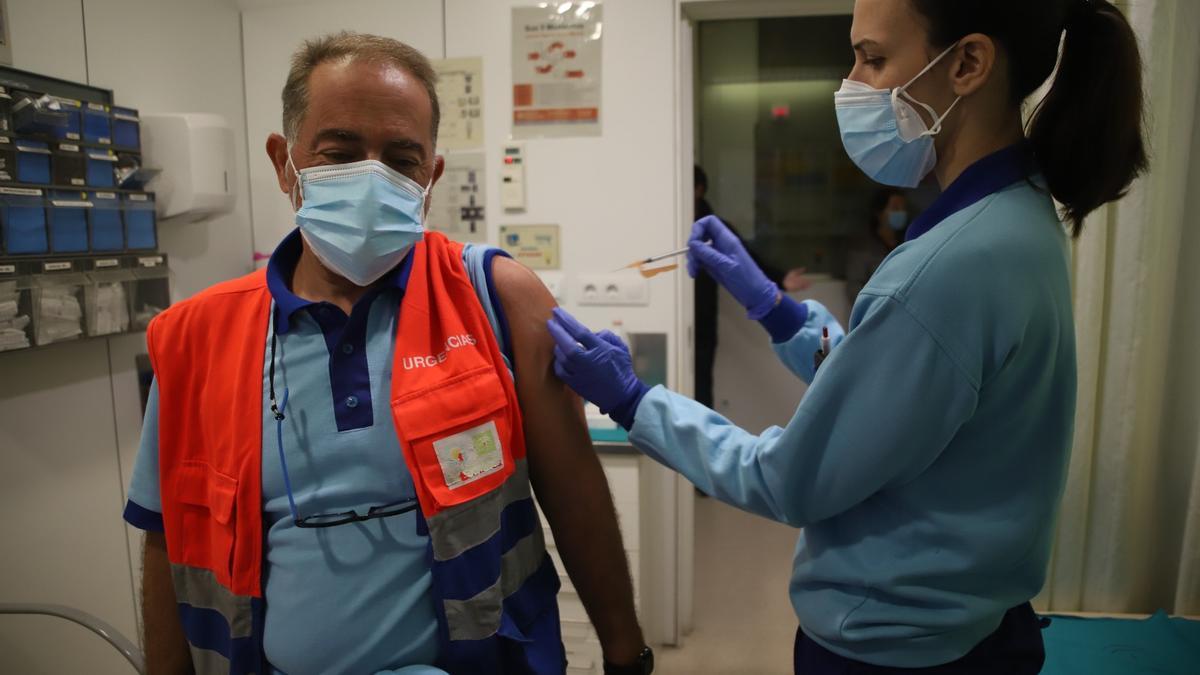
(756, 108)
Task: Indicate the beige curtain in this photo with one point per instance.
(1128, 538)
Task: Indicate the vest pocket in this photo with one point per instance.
(459, 435)
(206, 503)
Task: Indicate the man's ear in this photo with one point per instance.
(973, 64)
(439, 167)
(277, 150)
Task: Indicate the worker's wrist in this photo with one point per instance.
(638, 661)
(625, 647)
(625, 413)
(785, 320)
(769, 297)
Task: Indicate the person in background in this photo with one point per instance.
(926, 462)
(336, 466)
(706, 297)
(889, 218)
(885, 227)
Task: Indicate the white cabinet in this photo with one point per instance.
(579, 637)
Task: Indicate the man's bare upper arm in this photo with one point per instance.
(527, 305)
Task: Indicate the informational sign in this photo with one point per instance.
(535, 246)
(556, 69)
(460, 95)
(5, 45)
(457, 201)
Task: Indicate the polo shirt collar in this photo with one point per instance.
(983, 178)
(279, 275)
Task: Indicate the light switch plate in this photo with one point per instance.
(618, 288)
(512, 178)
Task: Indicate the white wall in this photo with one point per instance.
(271, 31)
(70, 416)
(615, 196)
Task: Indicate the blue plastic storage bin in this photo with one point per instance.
(100, 168)
(97, 125)
(126, 128)
(33, 162)
(141, 232)
(73, 131)
(108, 231)
(23, 221)
(68, 222)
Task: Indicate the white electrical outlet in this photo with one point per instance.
(618, 288)
(556, 283)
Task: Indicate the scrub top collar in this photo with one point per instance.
(279, 274)
(985, 177)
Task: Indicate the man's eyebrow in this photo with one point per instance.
(336, 135)
(406, 144)
(863, 44)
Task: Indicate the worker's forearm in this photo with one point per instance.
(584, 522)
(166, 647)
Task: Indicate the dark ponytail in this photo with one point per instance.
(1087, 132)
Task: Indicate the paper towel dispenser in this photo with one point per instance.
(189, 160)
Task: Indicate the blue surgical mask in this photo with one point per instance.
(360, 219)
(884, 135)
(897, 220)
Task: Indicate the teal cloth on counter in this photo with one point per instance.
(1160, 645)
(609, 435)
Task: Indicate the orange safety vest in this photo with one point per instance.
(459, 424)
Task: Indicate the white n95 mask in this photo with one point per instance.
(884, 135)
(360, 219)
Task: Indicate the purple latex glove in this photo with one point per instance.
(597, 366)
(730, 264)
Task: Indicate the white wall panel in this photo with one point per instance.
(271, 32)
(60, 493)
(47, 37)
(181, 56)
(70, 423)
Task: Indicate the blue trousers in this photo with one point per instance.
(1015, 648)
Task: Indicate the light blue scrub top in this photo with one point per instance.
(353, 598)
(926, 461)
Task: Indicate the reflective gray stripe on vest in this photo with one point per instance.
(463, 527)
(198, 587)
(208, 662)
(479, 617)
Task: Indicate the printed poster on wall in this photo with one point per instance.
(456, 205)
(556, 70)
(5, 45)
(535, 246)
(460, 94)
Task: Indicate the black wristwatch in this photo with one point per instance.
(644, 665)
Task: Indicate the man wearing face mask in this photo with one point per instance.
(336, 468)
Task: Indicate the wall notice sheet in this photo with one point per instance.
(556, 70)
(460, 94)
(535, 246)
(457, 201)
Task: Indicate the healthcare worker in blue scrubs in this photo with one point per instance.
(926, 461)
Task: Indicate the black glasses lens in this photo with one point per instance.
(393, 509)
(327, 519)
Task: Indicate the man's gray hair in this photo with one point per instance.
(349, 46)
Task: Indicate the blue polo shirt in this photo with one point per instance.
(926, 460)
(353, 598)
